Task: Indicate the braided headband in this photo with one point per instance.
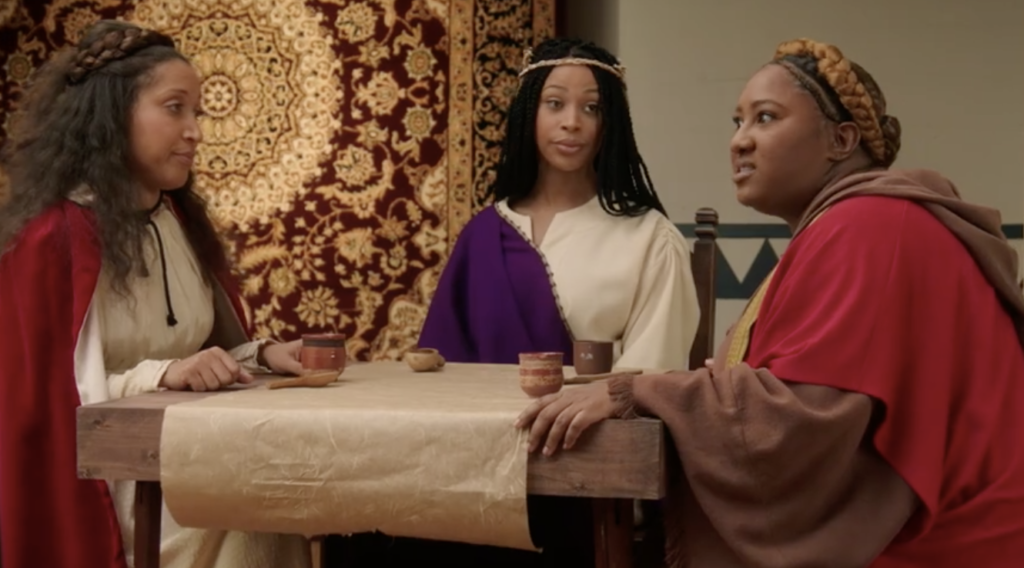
(115, 45)
(836, 69)
(826, 102)
(617, 70)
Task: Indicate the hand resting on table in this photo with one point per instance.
(210, 369)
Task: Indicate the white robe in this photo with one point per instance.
(621, 279)
(124, 349)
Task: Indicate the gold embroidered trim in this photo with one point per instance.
(741, 335)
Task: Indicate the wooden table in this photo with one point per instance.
(616, 462)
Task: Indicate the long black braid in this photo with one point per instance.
(624, 186)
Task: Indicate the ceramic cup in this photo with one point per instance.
(323, 352)
(424, 359)
(592, 357)
(541, 373)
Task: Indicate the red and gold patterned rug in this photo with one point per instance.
(346, 142)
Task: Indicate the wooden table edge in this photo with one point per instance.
(618, 459)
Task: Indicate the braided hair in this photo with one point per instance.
(845, 92)
(72, 129)
(624, 185)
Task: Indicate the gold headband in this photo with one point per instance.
(617, 70)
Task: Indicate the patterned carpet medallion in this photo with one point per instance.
(346, 143)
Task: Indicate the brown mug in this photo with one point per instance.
(323, 352)
(592, 357)
(541, 373)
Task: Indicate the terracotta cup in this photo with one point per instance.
(424, 359)
(541, 373)
(323, 352)
(592, 357)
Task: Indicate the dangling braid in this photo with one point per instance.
(115, 45)
(857, 92)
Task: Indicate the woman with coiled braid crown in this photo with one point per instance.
(577, 243)
(867, 410)
(112, 283)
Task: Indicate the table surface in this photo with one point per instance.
(619, 459)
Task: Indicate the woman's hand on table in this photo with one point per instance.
(282, 357)
(208, 370)
(558, 419)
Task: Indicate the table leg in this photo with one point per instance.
(613, 533)
(318, 551)
(148, 510)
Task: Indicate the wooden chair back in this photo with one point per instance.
(649, 539)
(703, 263)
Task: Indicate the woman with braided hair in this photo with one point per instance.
(867, 408)
(112, 283)
(577, 243)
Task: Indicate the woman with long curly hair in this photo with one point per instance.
(868, 407)
(113, 282)
(576, 243)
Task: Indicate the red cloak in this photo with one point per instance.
(49, 517)
(878, 297)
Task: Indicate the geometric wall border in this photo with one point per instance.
(730, 287)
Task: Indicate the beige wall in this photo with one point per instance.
(952, 70)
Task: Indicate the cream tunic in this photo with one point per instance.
(622, 279)
(124, 348)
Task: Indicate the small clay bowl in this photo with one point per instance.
(424, 359)
(541, 373)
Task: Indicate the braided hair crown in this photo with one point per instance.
(856, 90)
(110, 41)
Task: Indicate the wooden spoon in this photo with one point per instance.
(584, 379)
(314, 380)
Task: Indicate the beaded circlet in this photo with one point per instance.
(528, 66)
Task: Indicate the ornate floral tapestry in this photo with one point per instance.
(346, 142)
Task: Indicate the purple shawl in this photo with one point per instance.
(494, 299)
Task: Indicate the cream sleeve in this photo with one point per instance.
(95, 384)
(665, 313)
(145, 377)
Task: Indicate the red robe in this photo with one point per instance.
(49, 517)
(879, 298)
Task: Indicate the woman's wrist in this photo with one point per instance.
(620, 390)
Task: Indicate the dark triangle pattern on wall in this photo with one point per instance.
(731, 287)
